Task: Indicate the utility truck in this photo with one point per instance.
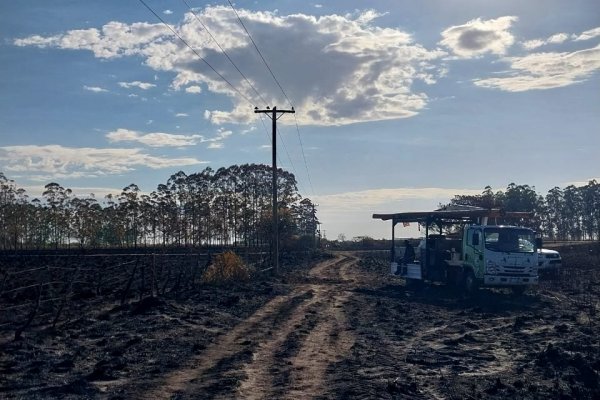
(477, 255)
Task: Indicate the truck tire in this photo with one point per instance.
(469, 283)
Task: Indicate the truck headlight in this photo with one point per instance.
(491, 267)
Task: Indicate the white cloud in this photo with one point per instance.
(160, 139)
(215, 145)
(554, 39)
(56, 161)
(318, 5)
(545, 70)
(478, 37)
(590, 34)
(157, 139)
(138, 84)
(95, 89)
(374, 198)
(344, 69)
(115, 39)
(193, 89)
(132, 95)
(533, 44)
(246, 131)
(167, 12)
(558, 38)
(181, 115)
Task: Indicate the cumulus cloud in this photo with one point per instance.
(115, 39)
(478, 37)
(167, 12)
(138, 84)
(95, 89)
(545, 70)
(193, 89)
(180, 115)
(56, 161)
(344, 69)
(157, 139)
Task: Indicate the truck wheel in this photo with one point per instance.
(518, 290)
(414, 284)
(469, 283)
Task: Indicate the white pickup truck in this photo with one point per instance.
(549, 260)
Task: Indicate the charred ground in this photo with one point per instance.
(340, 328)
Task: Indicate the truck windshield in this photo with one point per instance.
(510, 240)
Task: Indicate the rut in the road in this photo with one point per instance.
(283, 350)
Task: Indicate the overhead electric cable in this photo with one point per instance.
(280, 87)
(224, 52)
(303, 156)
(288, 155)
(281, 140)
(195, 52)
(259, 53)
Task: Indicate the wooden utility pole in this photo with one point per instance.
(274, 117)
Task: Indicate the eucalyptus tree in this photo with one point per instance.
(87, 220)
(572, 212)
(201, 192)
(590, 208)
(59, 215)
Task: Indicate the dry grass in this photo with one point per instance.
(227, 267)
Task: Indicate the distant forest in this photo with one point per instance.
(572, 213)
(227, 207)
(232, 207)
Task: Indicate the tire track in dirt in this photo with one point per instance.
(288, 342)
(294, 364)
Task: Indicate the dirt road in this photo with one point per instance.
(282, 351)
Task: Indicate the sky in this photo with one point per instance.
(400, 105)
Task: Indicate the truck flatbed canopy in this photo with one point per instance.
(456, 214)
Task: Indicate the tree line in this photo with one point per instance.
(227, 207)
(570, 213)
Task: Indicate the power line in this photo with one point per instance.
(289, 158)
(195, 52)
(303, 156)
(259, 53)
(286, 151)
(224, 52)
(282, 91)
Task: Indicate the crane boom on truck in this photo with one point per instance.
(486, 255)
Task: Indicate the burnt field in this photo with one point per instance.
(338, 327)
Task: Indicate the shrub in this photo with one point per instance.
(227, 267)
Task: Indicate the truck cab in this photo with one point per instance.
(501, 255)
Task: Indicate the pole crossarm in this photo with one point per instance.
(274, 117)
(273, 111)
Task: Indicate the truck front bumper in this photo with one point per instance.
(503, 280)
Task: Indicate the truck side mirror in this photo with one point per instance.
(539, 243)
(476, 239)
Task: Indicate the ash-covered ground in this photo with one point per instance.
(342, 328)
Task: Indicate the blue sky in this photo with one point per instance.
(400, 104)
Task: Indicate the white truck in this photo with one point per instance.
(483, 255)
